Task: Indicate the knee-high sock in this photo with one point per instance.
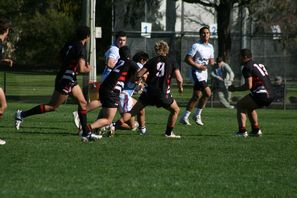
(83, 121)
(35, 110)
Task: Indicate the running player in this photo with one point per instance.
(199, 57)
(4, 31)
(157, 91)
(258, 82)
(73, 57)
(111, 58)
(112, 86)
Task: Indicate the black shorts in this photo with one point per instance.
(200, 85)
(64, 86)
(156, 99)
(261, 99)
(109, 99)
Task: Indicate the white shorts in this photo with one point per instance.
(126, 102)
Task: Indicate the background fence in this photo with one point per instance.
(23, 83)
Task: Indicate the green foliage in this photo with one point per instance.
(43, 36)
(274, 12)
(40, 28)
(130, 14)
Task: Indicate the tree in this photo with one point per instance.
(223, 9)
(266, 14)
(40, 27)
(130, 13)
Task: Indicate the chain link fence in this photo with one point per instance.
(29, 85)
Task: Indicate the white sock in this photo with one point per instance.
(198, 112)
(186, 114)
(142, 130)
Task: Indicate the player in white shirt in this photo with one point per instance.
(199, 57)
(112, 54)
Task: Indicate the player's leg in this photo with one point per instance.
(94, 104)
(3, 106)
(253, 117)
(141, 121)
(127, 116)
(174, 111)
(107, 116)
(244, 106)
(223, 95)
(206, 93)
(82, 108)
(126, 104)
(196, 95)
(56, 100)
(3, 102)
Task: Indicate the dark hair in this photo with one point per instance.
(141, 55)
(219, 59)
(203, 28)
(246, 52)
(120, 34)
(4, 25)
(125, 52)
(82, 32)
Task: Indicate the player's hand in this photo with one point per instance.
(7, 61)
(220, 78)
(202, 67)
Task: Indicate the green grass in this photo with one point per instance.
(46, 159)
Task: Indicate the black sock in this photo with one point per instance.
(168, 130)
(35, 110)
(82, 114)
(255, 128)
(118, 124)
(242, 129)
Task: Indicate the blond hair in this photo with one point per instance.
(161, 48)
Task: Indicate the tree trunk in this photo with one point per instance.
(170, 26)
(224, 34)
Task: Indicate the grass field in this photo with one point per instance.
(46, 159)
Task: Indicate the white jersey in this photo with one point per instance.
(126, 100)
(112, 52)
(201, 54)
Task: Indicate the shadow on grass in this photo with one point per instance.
(47, 133)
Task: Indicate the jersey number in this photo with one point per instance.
(261, 68)
(160, 69)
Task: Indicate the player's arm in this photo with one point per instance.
(179, 80)
(189, 60)
(3, 102)
(211, 61)
(214, 75)
(7, 61)
(229, 71)
(141, 72)
(246, 86)
(110, 62)
(83, 66)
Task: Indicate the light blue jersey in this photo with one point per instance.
(112, 52)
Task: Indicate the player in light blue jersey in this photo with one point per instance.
(112, 54)
(199, 57)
